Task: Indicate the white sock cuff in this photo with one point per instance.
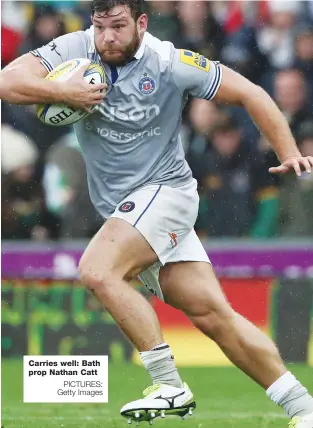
(148, 357)
(160, 345)
(281, 387)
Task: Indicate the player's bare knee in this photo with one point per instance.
(215, 322)
(93, 277)
(90, 278)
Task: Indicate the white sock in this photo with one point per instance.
(289, 394)
(159, 362)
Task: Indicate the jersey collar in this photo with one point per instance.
(141, 49)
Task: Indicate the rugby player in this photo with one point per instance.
(142, 186)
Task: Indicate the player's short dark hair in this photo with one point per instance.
(137, 7)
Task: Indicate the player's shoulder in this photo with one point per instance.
(171, 56)
(88, 36)
(162, 50)
(81, 39)
(193, 60)
(77, 42)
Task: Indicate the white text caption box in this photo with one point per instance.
(65, 379)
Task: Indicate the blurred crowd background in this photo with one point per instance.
(44, 188)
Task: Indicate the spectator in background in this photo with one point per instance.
(14, 24)
(290, 94)
(197, 140)
(309, 10)
(10, 44)
(60, 5)
(269, 157)
(304, 55)
(24, 215)
(66, 190)
(24, 119)
(235, 14)
(163, 22)
(72, 12)
(200, 32)
(296, 195)
(240, 197)
(241, 53)
(14, 15)
(48, 25)
(276, 39)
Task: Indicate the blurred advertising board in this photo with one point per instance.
(45, 309)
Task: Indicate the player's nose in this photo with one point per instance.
(108, 36)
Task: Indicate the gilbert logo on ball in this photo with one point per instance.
(61, 114)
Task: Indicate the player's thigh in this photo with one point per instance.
(189, 282)
(117, 248)
(193, 288)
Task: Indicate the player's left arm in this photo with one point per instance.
(235, 89)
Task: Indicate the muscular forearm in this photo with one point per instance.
(19, 88)
(271, 123)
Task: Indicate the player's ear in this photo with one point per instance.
(142, 24)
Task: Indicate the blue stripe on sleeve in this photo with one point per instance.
(215, 85)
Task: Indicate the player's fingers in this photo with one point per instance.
(98, 96)
(97, 87)
(95, 99)
(278, 169)
(305, 162)
(94, 102)
(310, 159)
(296, 167)
(273, 170)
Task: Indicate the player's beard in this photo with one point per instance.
(126, 53)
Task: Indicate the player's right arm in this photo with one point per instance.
(197, 76)
(23, 81)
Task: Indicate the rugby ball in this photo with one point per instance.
(61, 114)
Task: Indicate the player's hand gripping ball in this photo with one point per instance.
(61, 114)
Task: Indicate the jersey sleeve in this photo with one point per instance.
(62, 49)
(196, 75)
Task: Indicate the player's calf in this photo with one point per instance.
(243, 343)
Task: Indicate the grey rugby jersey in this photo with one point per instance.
(133, 139)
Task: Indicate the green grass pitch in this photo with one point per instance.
(225, 399)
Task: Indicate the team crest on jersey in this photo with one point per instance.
(127, 207)
(146, 85)
(194, 59)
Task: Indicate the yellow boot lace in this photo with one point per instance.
(293, 422)
(152, 388)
